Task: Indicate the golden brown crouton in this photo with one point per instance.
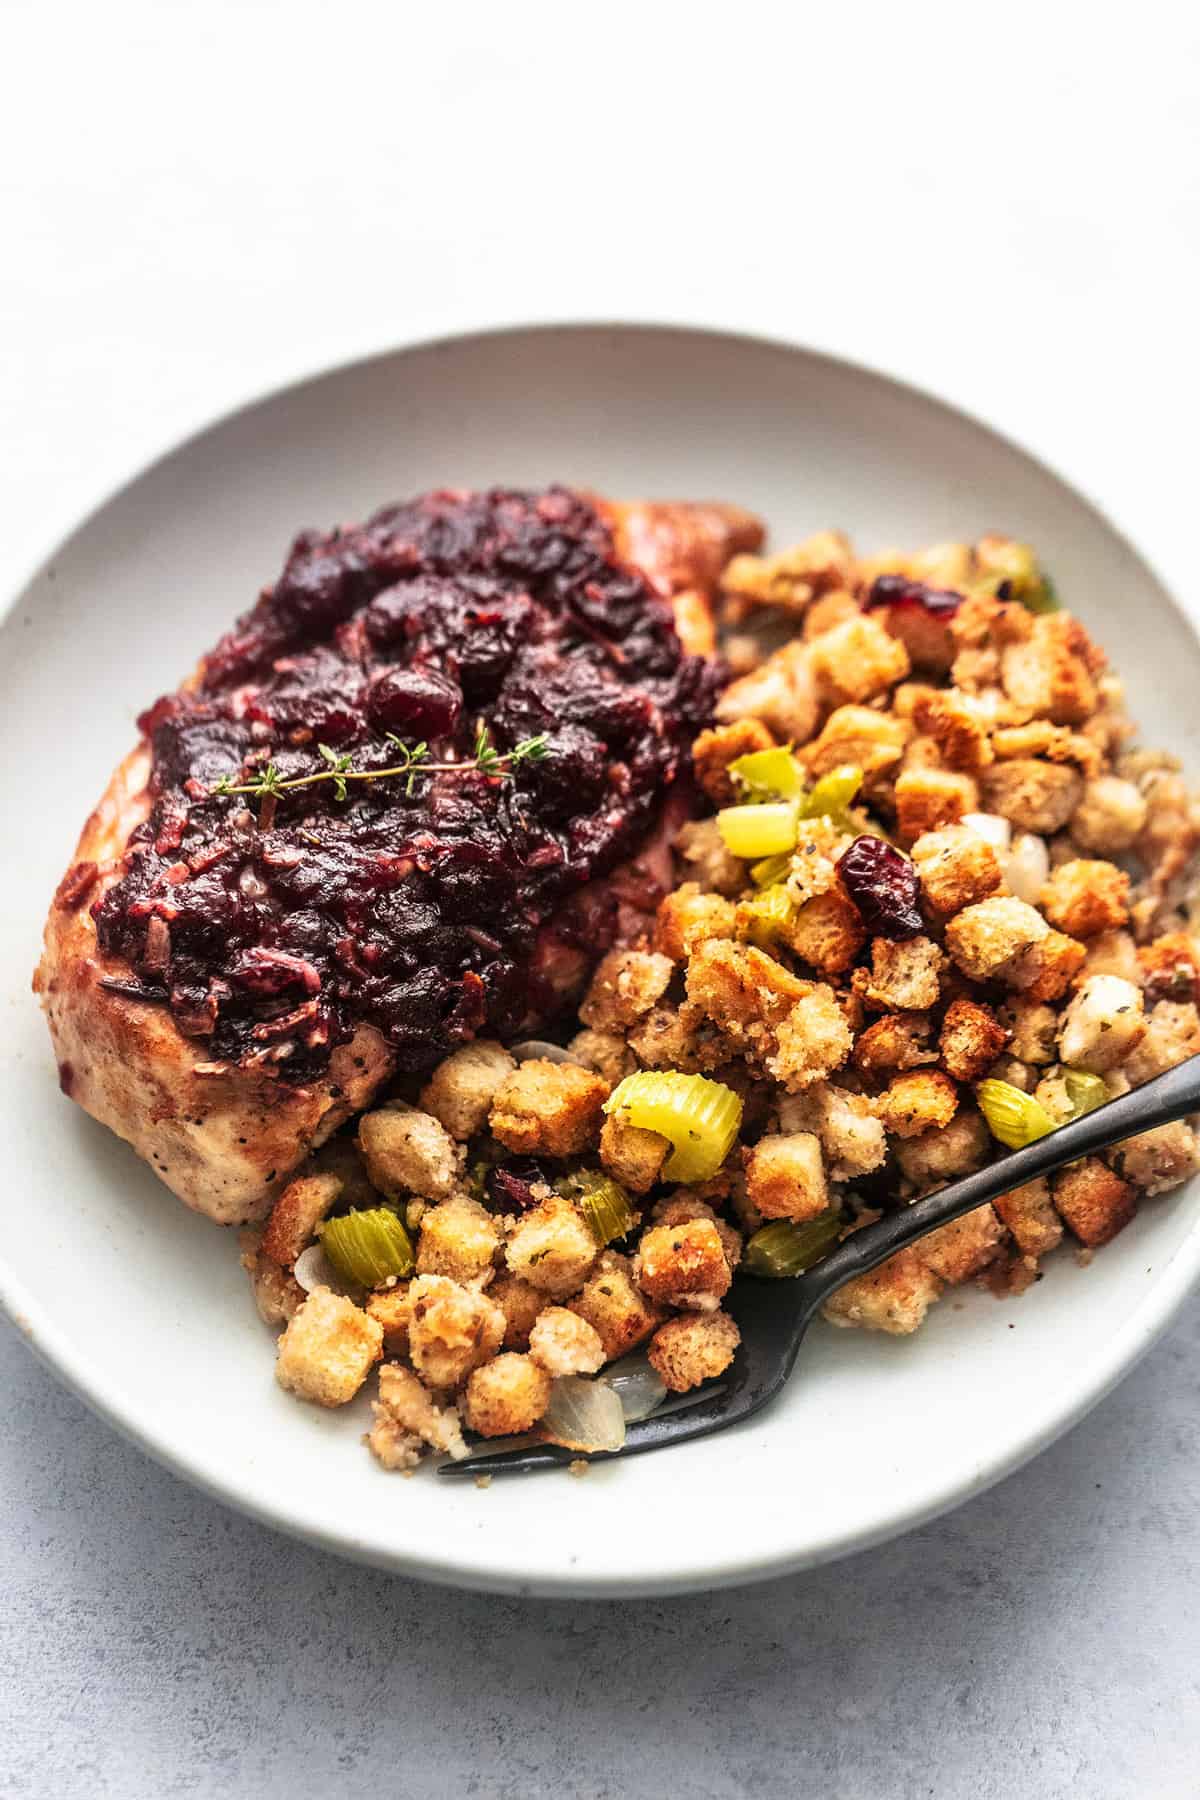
(1055, 742)
(894, 1297)
(409, 1152)
(632, 1156)
(606, 1052)
(552, 1248)
(986, 939)
(626, 985)
(687, 1351)
(713, 751)
(461, 1089)
(683, 1265)
(938, 1156)
(520, 1302)
(853, 1140)
(1172, 1035)
(1034, 796)
(613, 1305)
(1113, 953)
(714, 868)
(549, 1109)
(872, 741)
(1034, 1030)
(328, 1349)
(680, 1037)
(955, 725)
(785, 1177)
(857, 660)
(741, 989)
(451, 1329)
(1101, 1025)
(1046, 969)
(1083, 898)
(507, 1395)
(791, 578)
(811, 1041)
(924, 1100)
(897, 1041)
(458, 1238)
(826, 932)
(391, 1309)
(1160, 1159)
(971, 1039)
(687, 918)
(903, 977)
(782, 692)
(926, 637)
(957, 868)
(1029, 1215)
(565, 1344)
(1111, 815)
(277, 1293)
(407, 1419)
(684, 1205)
(1049, 673)
(830, 610)
(929, 798)
(1170, 967)
(1093, 1201)
(296, 1214)
(959, 1250)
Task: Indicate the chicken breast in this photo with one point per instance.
(221, 1114)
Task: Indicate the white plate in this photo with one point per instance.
(142, 1307)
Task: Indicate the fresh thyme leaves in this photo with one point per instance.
(411, 760)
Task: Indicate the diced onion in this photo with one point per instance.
(700, 1117)
(639, 1387)
(539, 1050)
(1027, 866)
(991, 826)
(313, 1269)
(1014, 1117)
(754, 831)
(584, 1415)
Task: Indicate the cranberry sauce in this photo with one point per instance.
(272, 927)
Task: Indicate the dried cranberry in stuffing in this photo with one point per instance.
(510, 1189)
(414, 703)
(883, 884)
(898, 590)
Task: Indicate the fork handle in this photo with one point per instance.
(1160, 1101)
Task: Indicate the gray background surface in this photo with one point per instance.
(1041, 1641)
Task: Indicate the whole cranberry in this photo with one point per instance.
(884, 885)
(898, 590)
(417, 703)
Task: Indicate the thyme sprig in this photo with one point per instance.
(412, 760)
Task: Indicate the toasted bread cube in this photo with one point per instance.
(1050, 673)
(507, 1395)
(1111, 815)
(897, 1041)
(785, 1177)
(520, 1302)
(853, 1140)
(1169, 967)
(929, 798)
(614, 1306)
(451, 1329)
(986, 939)
(1034, 1030)
(1029, 1215)
(407, 1410)
(826, 932)
(683, 1265)
(1085, 897)
(857, 660)
(741, 989)
(957, 868)
(1093, 1200)
(1157, 1160)
(391, 1308)
(1172, 1035)
(277, 1294)
(971, 1039)
(461, 1089)
(632, 1156)
(687, 918)
(565, 1344)
(872, 741)
(714, 869)
(1102, 1024)
(681, 1207)
(458, 1238)
(830, 610)
(923, 1100)
(328, 1349)
(688, 1351)
(1046, 969)
(607, 1053)
(549, 1109)
(794, 576)
(713, 751)
(296, 1214)
(894, 1297)
(959, 1250)
(956, 727)
(626, 985)
(1034, 796)
(782, 693)
(904, 976)
(409, 1152)
(680, 1037)
(552, 1248)
(811, 1042)
(938, 1156)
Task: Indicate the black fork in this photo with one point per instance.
(774, 1315)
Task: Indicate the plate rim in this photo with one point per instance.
(1146, 1323)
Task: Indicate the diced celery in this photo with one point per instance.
(771, 869)
(367, 1246)
(832, 794)
(784, 1248)
(604, 1203)
(754, 831)
(1014, 1117)
(700, 1117)
(1085, 1092)
(766, 915)
(768, 774)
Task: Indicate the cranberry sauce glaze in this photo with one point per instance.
(272, 929)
